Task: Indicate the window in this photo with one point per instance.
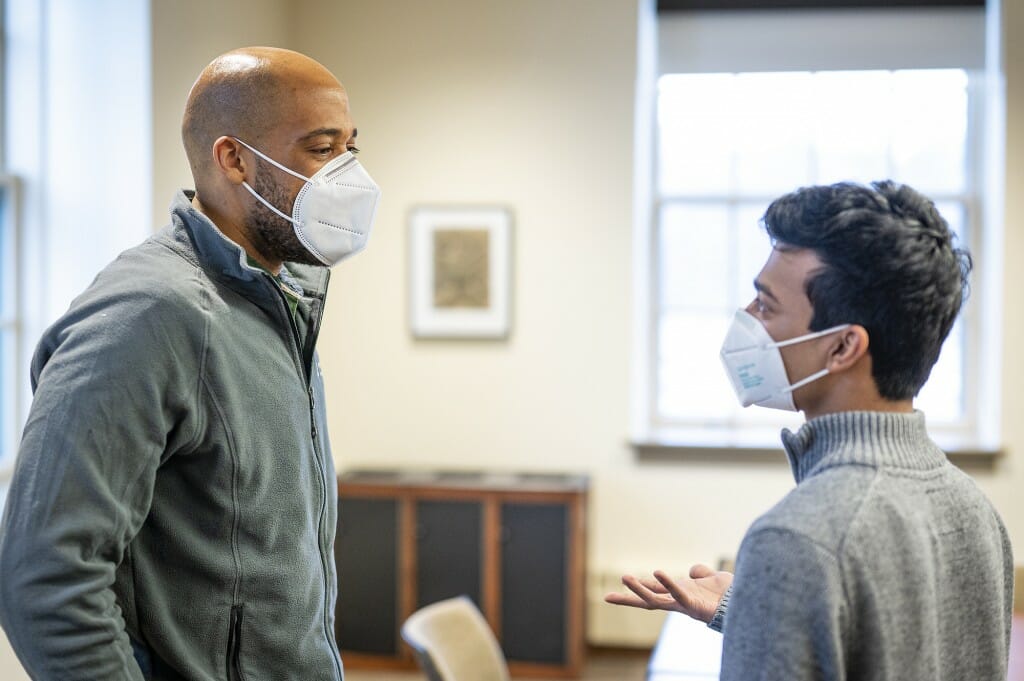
(10, 322)
(728, 142)
(65, 65)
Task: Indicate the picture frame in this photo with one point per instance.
(460, 272)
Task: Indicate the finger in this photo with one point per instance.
(653, 585)
(646, 595)
(626, 599)
(699, 570)
(675, 589)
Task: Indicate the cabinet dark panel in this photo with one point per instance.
(513, 542)
(533, 582)
(366, 551)
(448, 551)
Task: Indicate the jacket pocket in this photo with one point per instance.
(234, 666)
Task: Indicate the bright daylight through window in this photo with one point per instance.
(9, 323)
(727, 144)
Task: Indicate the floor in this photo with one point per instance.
(630, 666)
(601, 666)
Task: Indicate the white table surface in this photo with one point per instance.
(686, 650)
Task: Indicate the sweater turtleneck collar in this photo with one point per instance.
(861, 438)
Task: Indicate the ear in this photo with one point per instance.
(850, 346)
(228, 160)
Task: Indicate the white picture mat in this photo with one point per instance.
(429, 321)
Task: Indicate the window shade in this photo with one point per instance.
(690, 5)
(837, 39)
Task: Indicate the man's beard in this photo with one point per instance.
(271, 235)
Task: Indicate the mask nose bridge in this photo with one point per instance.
(757, 336)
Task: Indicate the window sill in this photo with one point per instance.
(652, 450)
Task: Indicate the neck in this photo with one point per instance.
(880, 405)
(846, 393)
(872, 438)
(233, 230)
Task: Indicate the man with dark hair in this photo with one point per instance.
(885, 562)
(173, 508)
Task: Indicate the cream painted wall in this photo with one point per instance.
(1004, 484)
(527, 104)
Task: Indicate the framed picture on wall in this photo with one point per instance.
(460, 271)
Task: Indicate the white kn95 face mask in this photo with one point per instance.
(333, 212)
(754, 364)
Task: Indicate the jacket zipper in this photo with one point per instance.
(306, 374)
(312, 336)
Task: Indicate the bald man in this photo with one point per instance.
(173, 509)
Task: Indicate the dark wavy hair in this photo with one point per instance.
(890, 264)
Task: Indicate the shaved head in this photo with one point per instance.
(245, 93)
(289, 108)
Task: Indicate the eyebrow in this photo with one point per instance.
(763, 288)
(331, 132)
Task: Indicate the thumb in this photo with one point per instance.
(700, 570)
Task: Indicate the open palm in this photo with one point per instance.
(696, 596)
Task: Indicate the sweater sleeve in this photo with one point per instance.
(114, 382)
(785, 611)
(718, 619)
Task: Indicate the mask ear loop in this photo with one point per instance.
(811, 336)
(276, 165)
(267, 203)
(808, 336)
(804, 381)
(270, 160)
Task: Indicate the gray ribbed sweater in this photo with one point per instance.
(885, 562)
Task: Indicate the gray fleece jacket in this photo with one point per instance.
(885, 563)
(173, 509)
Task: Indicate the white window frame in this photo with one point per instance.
(978, 430)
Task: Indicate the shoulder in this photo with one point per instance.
(791, 558)
(918, 513)
(151, 278)
(148, 296)
(785, 577)
(157, 267)
(822, 508)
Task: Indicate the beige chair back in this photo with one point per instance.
(452, 642)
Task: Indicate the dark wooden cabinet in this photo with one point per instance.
(514, 543)
(369, 624)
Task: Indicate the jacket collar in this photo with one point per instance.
(861, 438)
(222, 256)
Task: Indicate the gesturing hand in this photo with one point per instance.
(696, 596)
